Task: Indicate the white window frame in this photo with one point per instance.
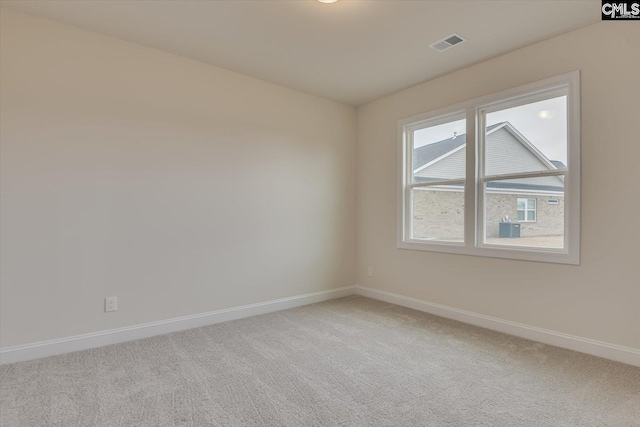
(526, 209)
(475, 111)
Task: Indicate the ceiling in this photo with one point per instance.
(349, 51)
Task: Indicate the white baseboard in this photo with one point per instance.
(98, 339)
(615, 352)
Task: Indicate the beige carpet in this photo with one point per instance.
(347, 362)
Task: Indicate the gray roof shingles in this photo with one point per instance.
(428, 153)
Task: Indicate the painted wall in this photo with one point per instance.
(183, 188)
(176, 186)
(599, 299)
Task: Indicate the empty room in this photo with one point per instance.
(319, 213)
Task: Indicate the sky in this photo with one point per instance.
(543, 123)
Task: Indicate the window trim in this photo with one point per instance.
(567, 84)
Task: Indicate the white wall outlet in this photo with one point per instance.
(370, 271)
(111, 304)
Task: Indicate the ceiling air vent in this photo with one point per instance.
(447, 43)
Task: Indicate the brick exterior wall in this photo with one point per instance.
(440, 214)
(549, 218)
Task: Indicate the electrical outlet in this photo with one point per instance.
(370, 271)
(111, 304)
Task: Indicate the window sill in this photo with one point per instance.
(555, 256)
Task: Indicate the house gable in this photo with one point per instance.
(450, 166)
(507, 152)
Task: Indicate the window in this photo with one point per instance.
(510, 157)
(437, 180)
(526, 210)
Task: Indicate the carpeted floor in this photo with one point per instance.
(347, 362)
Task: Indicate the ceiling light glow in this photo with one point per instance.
(327, 1)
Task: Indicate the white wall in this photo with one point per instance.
(176, 186)
(600, 299)
(183, 188)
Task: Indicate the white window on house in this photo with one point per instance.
(526, 210)
(471, 175)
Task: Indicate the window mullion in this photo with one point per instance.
(479, 212)
(471, 187)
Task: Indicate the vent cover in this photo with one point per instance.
(447, 43)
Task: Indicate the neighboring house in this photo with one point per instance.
(536, 203)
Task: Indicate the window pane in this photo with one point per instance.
(531, 203)
(438, 213)
(527, 138)
(504, 223)
(522, 204)
(439, 152)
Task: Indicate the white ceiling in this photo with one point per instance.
(350, 51)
